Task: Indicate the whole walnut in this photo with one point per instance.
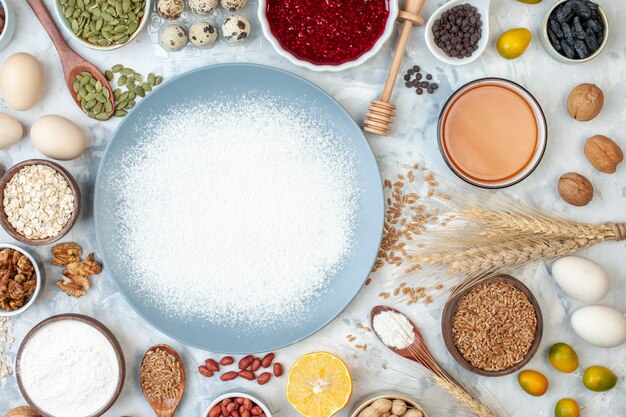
(22, 411)
(603, 153)
(585, 102)
(575, 189)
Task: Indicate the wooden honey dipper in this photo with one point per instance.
(381, 112)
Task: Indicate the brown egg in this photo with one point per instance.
(21, 81)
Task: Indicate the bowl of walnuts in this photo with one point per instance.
(21, 279)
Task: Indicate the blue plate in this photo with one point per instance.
(222, 81)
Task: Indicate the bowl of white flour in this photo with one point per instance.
(70, 365)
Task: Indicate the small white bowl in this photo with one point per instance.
(483, 9)
(39, 274)
(267, 32)
(233, 394)
(68, 28)
(9, 24)
(545, 41)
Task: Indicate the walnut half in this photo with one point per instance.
(75, 280)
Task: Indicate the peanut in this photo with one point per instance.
(229, 376)
(278, 369)
(204, 371)
(249, 375)
(256, 364)
(211, 365)
(227, 360)
(264, 378)
(246, 362)
(267, 360)
(215, 411)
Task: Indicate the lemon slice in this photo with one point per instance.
(319, 384)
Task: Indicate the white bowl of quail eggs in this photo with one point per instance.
(201, 23)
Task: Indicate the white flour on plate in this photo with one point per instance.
(69, 369)
(237, 211)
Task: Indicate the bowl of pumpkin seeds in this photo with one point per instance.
(103, 24)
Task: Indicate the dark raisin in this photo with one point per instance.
(594, 25)
(568, 35)
(581, 9)
(554, 41)
(592, 41)
(568, 51)
(564, 12)
(592, 6)
(577, 28)
(556, 28)
(581, 49)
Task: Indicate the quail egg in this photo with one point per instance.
(170, 9)
(202, 34)
(236, 29)
(202, 7)
(234, 5)
(173, 38)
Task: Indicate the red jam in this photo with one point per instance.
(327, 32)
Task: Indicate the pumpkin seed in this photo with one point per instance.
(117, 68)
(117, 93)
(139, 91)
(98, 21)
(121, 104)
(130, 105)
(151, 79)
(122, 80)
(103, 116)
(146, 87)
(120, 113)
(158, 80)
(109, 75)
(127, 71)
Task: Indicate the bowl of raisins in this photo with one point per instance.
(575, 31)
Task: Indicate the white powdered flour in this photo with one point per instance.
(69, 369)
(394, 329)
(236, 212)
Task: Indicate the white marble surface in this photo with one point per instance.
(413, 139)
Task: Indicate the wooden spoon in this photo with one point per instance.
(416, 351)
(73, 64)
(168, 407)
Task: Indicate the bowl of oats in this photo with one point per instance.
(40, 202)
(21, 280)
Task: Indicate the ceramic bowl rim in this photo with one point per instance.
(446, 327)
(392, 395)
(90, 321)
(72, 183)
(9, 24)
(236, 393)
(267, 34)
(66, 27)
(38, 277)
(542, 141)
(554, 53)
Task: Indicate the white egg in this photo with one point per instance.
(581, 278)
(21, 81)
(57, 137)
(600, 325)
(11, 131)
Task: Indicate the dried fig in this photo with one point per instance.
(585, 102)
(575, 189)
(22, 411)
(603, 153)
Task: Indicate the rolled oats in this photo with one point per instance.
(38, 202)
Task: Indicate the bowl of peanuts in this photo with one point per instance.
(237, 403)
(388, 404)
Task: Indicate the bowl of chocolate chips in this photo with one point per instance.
(575, 31)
